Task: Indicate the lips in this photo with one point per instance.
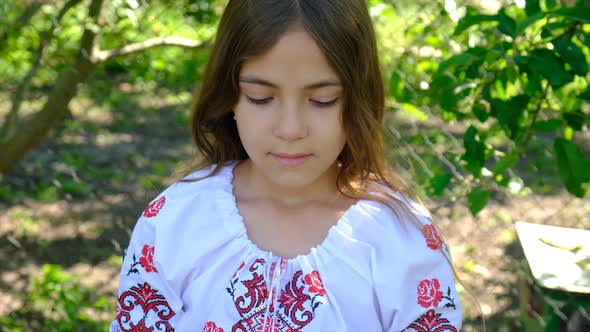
(291, 159)
(291, 155)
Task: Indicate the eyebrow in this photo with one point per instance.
(317, 85)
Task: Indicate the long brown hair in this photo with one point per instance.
(344, 31)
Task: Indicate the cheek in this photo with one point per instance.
(252, 128)
(331, 129)
(247, 129)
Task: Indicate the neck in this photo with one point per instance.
(324, 189)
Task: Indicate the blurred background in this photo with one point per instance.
(488, 111)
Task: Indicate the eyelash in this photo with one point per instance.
(267, 100)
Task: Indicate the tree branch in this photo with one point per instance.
(103, 56)
(33, 128)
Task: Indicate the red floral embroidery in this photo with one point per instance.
(433, 240)
(291, 298)
(147, 259)
(429, 293)
(431, 322)
(144, 296)
(268, 325)
(314, 282)
(154, 208)
(294, 309)
(211, 327)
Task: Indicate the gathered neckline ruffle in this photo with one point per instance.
(234, 223)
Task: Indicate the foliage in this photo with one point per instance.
(65, 303)
(516, 81)
(133, 22)
(100, 25)
(125, 21)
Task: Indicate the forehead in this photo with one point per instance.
(296, 59)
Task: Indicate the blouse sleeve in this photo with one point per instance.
(146, 299)
(415, 286)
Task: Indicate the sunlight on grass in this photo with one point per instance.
(27, 224)
(107, 138)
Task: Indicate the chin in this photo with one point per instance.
(291, 177)
(292, 180)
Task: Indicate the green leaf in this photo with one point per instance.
(533, 86)
(550, 4)
(439, 183)
(509, 113)
(555, 28)
(461, 59)
(480, 112)
(474, 155)
(505, 163)
(523, 61)
(499, 88)
(573, 166)
(477, 199)
(575, 13)
(572, 54)
(442, 90)
(472, 18)
(550, 66)
(549, 125)
(522, 25)
(584, 37)
(575, 119)
(585, 95)
(507, 24)
(449, 99)
(568, 133)
(397, 88)
(502, 181)
(414, 111)
(532, 7)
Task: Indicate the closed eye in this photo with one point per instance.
(259, 101)
(325, 103)
(269, 99)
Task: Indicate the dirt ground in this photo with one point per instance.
(87, 233)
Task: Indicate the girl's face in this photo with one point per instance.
(289, 113)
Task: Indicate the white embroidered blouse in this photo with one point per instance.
(191, 267)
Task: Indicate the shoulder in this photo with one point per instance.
(402, 219)
(200, 181)
(197, 202)
(197, 206)
(399, 226)
(187, 195)
(399, 200)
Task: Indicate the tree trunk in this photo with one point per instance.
(19, 135)
(31, 130)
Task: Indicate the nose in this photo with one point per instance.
(291, 123)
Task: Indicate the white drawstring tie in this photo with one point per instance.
(273, 273)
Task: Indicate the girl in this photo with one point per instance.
(293, 221)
